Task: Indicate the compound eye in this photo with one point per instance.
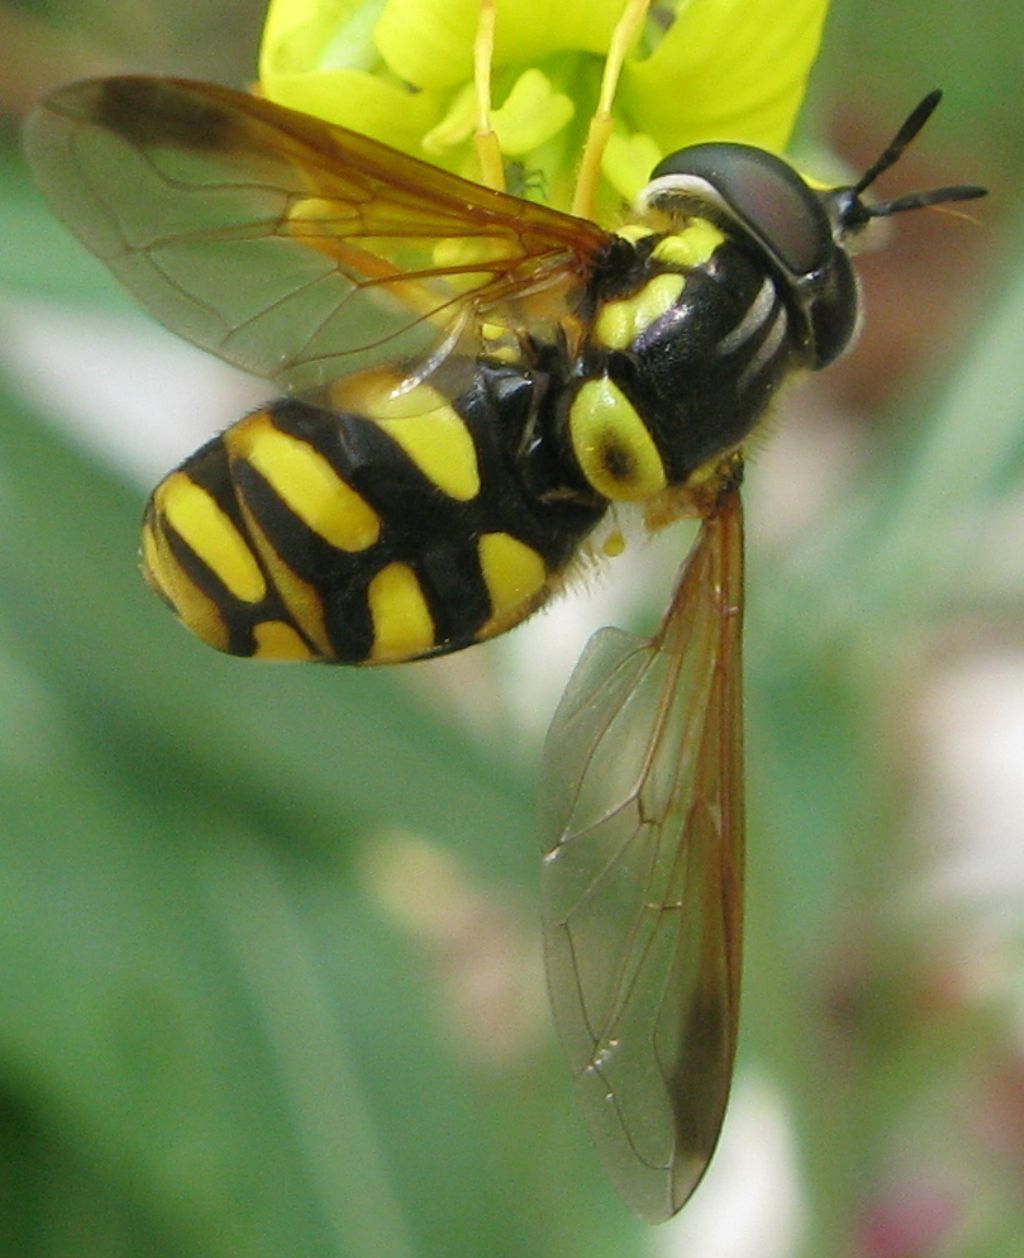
(759, 192)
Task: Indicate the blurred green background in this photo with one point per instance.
(271, 982)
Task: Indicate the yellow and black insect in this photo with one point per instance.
(472, 381)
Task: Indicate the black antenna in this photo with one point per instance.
(851, 210)
(907, 132)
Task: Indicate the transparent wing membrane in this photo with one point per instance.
(642, 884)
(290, 247)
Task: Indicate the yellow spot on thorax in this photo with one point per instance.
(196, 517)
(613, 446)
(621, 322)
(634, 232)
(403, 627)
(306, 482)
(690, 246)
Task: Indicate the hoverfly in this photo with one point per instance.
(472, 381)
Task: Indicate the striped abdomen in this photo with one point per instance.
(309, 533)
(354, 534)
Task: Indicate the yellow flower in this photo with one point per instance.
(402, 72)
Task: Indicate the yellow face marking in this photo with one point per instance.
(621, 322)
(306, 482)
(691, 246)
(615, 451)
(276, 640)
(302, 600)
(196, 610)
(402, 624)
(194, 515)
(513, 572)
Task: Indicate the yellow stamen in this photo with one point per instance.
(601, 124)
(492, 168)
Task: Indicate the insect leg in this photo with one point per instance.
(626, 28)
(492, 168)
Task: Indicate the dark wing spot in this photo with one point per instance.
(154, 112)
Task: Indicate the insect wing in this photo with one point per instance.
(290, 247)
(642, 883)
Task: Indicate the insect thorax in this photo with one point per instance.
(689, 339)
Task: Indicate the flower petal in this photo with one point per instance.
(371, 106)
(726, 70)
(530, 30)
(317, 56)
(401, 71)
(531, 115)
(628, 162)
(430, 42)
(457, 125)
(300, 36)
